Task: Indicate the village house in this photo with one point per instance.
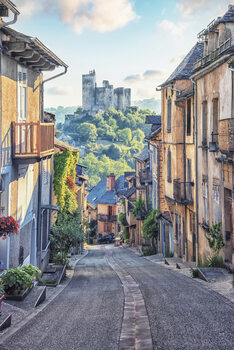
(165, 244)
(178, 145)
(27, 143)
(213, 79)
(107, 197)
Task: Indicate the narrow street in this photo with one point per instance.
(88, 314)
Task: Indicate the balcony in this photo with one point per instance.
(32, 141)
(226, 135)
(107, 218)
(145, 176)
(213, 55)
(182, 192)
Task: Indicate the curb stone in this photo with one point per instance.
(11, 331)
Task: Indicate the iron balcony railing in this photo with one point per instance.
(212, 55)
(107, 218)
(145, 176)
(182, 192)
(32, 140)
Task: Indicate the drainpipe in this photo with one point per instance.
(4, 24)
(196, 172)
(184, 166)
(39, 216)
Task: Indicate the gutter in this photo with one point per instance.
(196, 172)
(184, 166)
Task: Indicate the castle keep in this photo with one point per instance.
(101, 98)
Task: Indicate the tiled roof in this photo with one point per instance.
(63, 146)
(130, 192)
(185, 68)
(129, 173)
(228, 17)
(143, 155)
(109, 197)
(153, 119)
(97, 192)
(153, 133)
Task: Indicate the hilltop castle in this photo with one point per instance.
(101, 98)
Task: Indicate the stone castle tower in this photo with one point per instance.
(101, 98)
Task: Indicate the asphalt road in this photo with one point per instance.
(87, 315)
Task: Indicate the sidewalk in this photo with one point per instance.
(220, 283)
(23, 312)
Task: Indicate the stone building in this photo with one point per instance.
(213, 79)
(101, 98)
(178, 140)
(27, 144)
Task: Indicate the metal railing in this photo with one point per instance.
(107, 218)
(213, 55)
(182, 192)
(32, 139)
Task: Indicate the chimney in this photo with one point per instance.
(110, 183)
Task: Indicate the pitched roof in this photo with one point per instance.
(109, 197)
(153, 119)
(130, 192)
(63, 146)
(143, 155)
(153, 133)
(228, 17)
(97, 192)
(185, 68)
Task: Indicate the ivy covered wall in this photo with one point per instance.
(64, 180)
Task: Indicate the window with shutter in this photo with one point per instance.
(215, 120)
(22, 94)
(169, 165)
(169, 116)
(204, 123)
(189, 117)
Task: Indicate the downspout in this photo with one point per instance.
(4, 24)
(196, 172)
(184, 166)
(39, 217)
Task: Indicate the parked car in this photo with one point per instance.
(106, 239)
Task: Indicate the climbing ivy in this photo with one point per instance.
(64, 174)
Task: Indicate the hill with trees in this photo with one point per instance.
(108, 140)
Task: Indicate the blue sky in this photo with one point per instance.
(134, 44)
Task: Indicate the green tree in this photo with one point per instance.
(139, 210)
(114, 152)
(87, 132)
(138, 135)
(150, 227)
(125, 135)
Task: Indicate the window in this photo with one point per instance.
(189, 117)
(216, 203)
(154, 194)
(169, 116)
(215, 120)
(22, 94)
(205, 199)
(154, 155)
(169, 165)
(45, 173)
(189, 179)
(204, 123)
(25, 192)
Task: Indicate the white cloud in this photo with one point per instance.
(190, 8)
(58, 90)
(147, 75)
(98, 15)
(173, 28)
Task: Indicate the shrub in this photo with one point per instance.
(216, 261)
(169, 255)
(149, 251)
(59, 259)
(15, 280)
(194, 273)
(44, 281)
(33, 271)
(1, 289)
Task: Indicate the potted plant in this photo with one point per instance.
(17, 283)
(8, 225)
(31, 270)
(1, 296)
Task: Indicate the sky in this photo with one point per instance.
(131, 43)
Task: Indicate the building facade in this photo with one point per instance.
(27, 146)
